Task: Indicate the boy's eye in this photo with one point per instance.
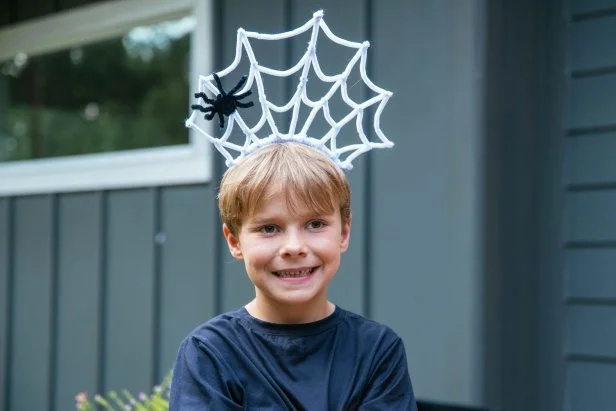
(316, 224)
(268, 229)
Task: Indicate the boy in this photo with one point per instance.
(286, 213)
(285, 207)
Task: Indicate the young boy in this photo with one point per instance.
(285, 204)
(286, 214)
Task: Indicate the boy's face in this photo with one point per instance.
(290, 255)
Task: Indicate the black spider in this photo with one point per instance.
(225, 103)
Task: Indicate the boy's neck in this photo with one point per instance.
(290, 315)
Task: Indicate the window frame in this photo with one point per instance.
(169, 165)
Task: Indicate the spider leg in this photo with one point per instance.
(201, 108)
(204, 97)
(222, 120)
(219, 84)
(239, 85)
(244, 105)
(210, 115)
(241, 96)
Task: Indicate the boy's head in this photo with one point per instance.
(304, 175)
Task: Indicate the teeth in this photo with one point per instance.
(301, 273)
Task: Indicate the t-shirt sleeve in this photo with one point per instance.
(202, 381)
(390, 387)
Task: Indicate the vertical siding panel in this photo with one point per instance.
(266, 16)
(78, 296)
(187, 271)
(346, 19)
(30, 359)
(425, 276)
(4, 294)
(130, 290)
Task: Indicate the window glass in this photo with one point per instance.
(122, 93)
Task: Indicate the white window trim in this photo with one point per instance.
(185, 164)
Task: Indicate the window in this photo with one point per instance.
(94, 98)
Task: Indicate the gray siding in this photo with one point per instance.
(79, 294)
(589, 220)
(424, 200)
(130, 272)
(5, 287)
(114, 280)
(98, 300)
(32, 296)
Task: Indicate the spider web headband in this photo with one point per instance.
(225, 103)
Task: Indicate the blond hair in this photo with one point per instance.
(303, 174)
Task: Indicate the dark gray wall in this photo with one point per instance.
(589, 219)
(515, 46)
(90, 299)
(550, 226)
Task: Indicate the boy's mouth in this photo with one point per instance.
(295, 273)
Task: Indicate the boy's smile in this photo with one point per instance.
(290, 256)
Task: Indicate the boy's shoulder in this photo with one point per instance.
(371, 329)
(220, 326)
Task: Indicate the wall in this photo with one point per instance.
(589, 201)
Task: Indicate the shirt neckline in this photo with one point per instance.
(314, 327)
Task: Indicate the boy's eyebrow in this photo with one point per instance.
(258, 220)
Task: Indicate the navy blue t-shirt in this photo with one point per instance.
(342, 362)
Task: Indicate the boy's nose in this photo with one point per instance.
(293, 245)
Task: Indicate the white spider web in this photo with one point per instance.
(296, 132)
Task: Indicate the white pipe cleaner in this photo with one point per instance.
(226, 103)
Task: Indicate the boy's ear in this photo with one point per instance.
(346, 234)
(233, 242)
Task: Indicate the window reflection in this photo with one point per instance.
(118, 94)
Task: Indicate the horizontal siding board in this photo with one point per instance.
(130, 290)
(592, 101)
(590, 159)
(590, 216)
(591, 331)
(187, 271)
(591, 44)
(79, 262)
(590, 6)
(590, 273)
(4, 292)
(30, 359)
(590, 386)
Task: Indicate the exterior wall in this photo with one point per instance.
(93, 300)
(589, 221)
(513, 120)
(98, 288)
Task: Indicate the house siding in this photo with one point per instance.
(589, 201)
